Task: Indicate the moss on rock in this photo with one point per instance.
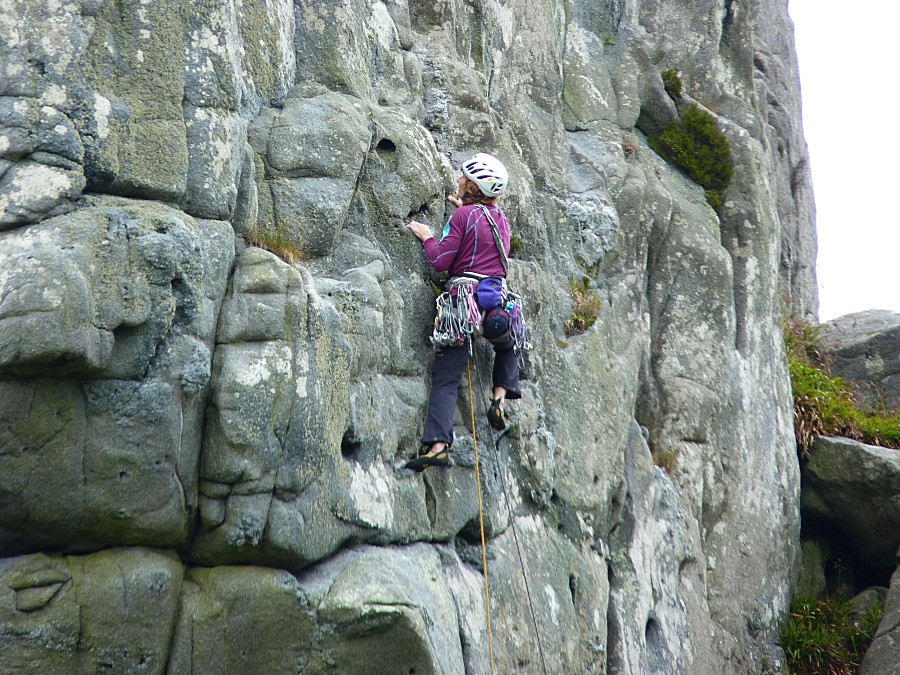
(696, 144)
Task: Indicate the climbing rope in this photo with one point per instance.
(512, 522)
(487, 593)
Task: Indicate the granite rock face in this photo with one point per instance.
(881, 657)
(855, 488)
(188, 417)
(864, 349)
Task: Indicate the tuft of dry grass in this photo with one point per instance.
(666, 459)
(277, 244)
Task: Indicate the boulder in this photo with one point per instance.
(855, 488)
(106, 326)
(313, 150)
(112, 611)
(864, 349)
(811, 583)
(366, 610)
(883, 655)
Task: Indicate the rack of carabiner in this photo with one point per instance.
(458, 316)
(515, 307)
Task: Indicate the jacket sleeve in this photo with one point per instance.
(442, 254)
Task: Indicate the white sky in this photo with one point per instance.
(850, 82)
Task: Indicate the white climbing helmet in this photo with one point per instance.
(487, 172)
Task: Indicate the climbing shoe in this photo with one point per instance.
(422, 462)
(496, 416)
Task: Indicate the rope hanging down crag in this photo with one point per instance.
(512, 524)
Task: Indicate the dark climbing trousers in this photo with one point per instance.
(446, 374)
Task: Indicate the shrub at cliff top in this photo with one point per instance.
(696, 145)
(825, 406)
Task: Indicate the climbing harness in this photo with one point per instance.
(510, 302)
(471, 299)
(512, 524)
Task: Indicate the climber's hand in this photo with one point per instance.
(421, 230)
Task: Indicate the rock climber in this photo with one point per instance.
(470, 251)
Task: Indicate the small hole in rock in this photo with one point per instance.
(386, 145)
(350, 448)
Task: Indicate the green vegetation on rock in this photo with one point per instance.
(515, 245)
(587, 307)
(826, 406)
(827, 636)
(697, 145)
(672, 82)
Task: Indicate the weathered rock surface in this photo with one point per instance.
(109, 611)
(165, 385)
(882, 656)
(107, 322)
(864, 349)
(856, 488)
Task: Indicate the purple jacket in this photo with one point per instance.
(468, 244)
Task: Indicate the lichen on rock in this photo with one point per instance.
(220, 430)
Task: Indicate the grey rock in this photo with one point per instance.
(332, 46)
(588, 91)
(651, 632)
(112, 309)
(314, 149)
(215, 139)
(31, 190)
(811, 583)
(272, 631)
(864, 349)
(838, 472)
(382, 610)
(282, 439)
(129, 108)
(308, 388)
(882, 656)
(113, 610)
(868, 600)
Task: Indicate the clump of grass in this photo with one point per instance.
(825, 405)
(672, 82)
(666, 459)
(827, 637)
(587, 307)
(696, 145)
(277, 244)
(515, 245)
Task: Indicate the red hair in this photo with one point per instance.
(472, 194)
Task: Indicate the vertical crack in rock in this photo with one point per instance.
(343, 122)
(430, 501)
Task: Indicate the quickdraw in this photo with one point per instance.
(515, 307)
(458, 317)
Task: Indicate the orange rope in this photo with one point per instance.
(487, 594)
